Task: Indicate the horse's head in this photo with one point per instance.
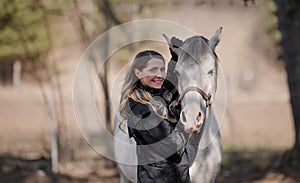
(197, 79)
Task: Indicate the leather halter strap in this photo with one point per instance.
(205, 96)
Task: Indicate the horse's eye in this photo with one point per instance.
(210, 72)
(177, 73)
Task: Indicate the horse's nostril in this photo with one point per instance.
(183, 116)
(199, 116)
(199, 119)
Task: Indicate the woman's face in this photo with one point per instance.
(153, 75)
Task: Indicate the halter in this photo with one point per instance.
(205, 96)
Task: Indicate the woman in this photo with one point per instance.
(145, 99)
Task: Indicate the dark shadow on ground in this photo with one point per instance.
(20, 170)
(238, 167)
(256, 166)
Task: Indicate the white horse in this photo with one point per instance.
(197, 83)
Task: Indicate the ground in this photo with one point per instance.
(238, 166)
(256, 124)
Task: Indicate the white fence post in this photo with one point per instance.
(54, 148)
(17, 75)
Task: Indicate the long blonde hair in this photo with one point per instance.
(130, 89)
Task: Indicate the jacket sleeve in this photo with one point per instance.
(149, 129)
(171, 75)
(170, 92)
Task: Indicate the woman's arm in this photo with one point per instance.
(174, 45)
(170, 92)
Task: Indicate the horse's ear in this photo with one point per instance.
(167, 39)
(174, 43)
(213, 42)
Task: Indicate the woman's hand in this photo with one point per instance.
(174, 112)
(174, 45)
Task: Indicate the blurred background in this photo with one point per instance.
(41, 43)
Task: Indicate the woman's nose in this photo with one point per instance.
(160, 74)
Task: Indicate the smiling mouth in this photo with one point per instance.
(158, 82)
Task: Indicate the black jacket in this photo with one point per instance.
(161, 152)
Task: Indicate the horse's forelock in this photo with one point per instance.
(195, 47)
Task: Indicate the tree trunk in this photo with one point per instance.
(288, 12)
(105, 55)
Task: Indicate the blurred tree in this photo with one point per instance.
(103, 16)
(103, 10)
(22, 36)
(25, 36)
(288, 12)
(62, 134)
